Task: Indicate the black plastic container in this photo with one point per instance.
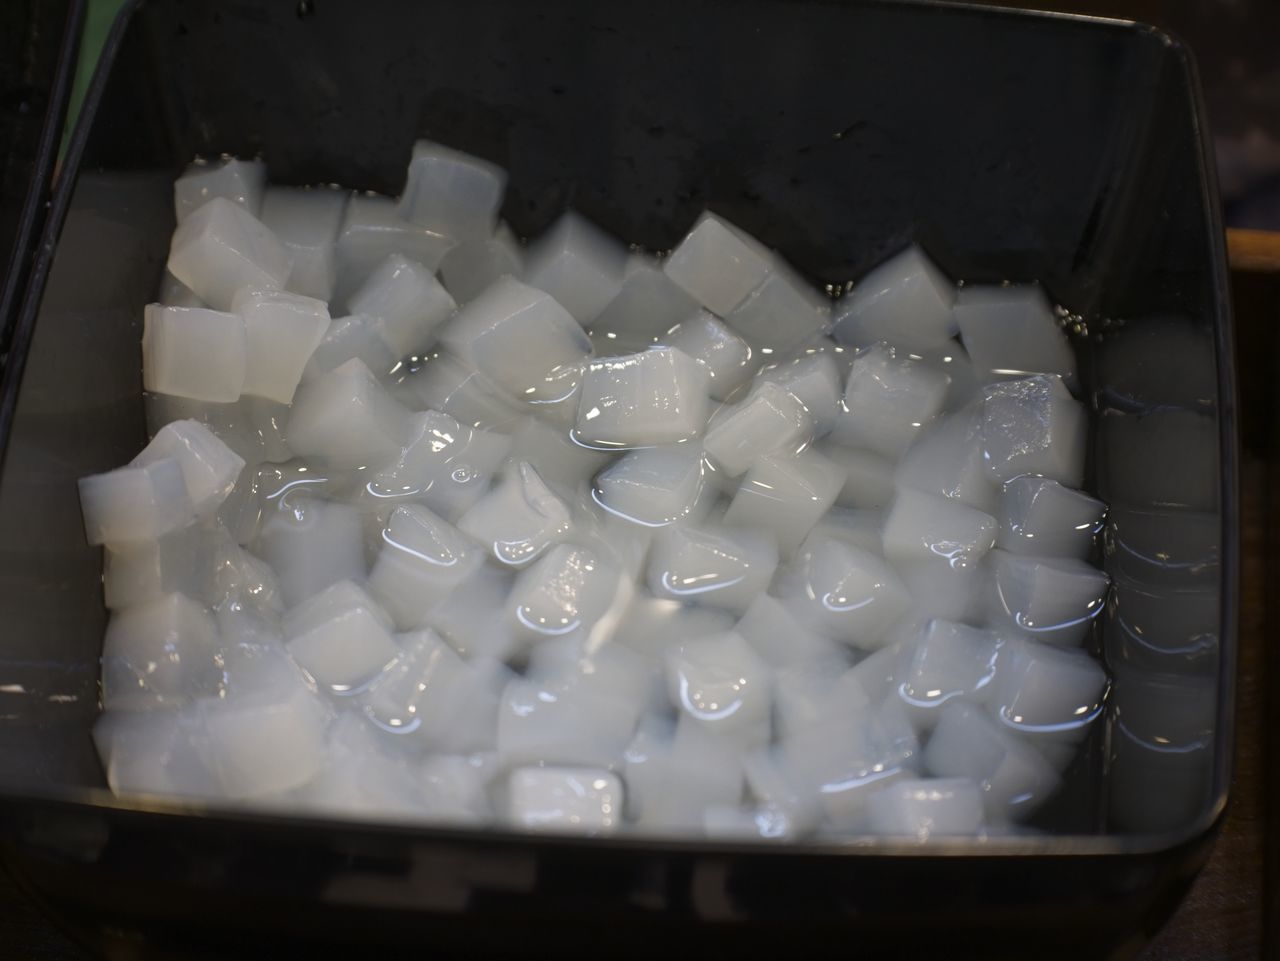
(1013, 145)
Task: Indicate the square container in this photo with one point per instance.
(1013, 146)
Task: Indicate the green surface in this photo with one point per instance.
(99, 16)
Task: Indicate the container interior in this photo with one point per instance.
(1013, 147)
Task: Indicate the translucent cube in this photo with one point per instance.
(455, 788)
(340, 637)
(132, 504)
(519, 519)
(941, 589)
(240, 181)
(780, 640)
(538, 726)
(193, 352)
(423, 557)
(1047, 693)
(639, 400)
(653, 625)
(814, 380)
(927, 527)
(557, 459)
(1012, 332)
(408, 300)
(845, 593)
(718, 264)
(1034, 426)
(312, 545)
(771, 419)
(925, 808)
(1041, 517)
(948, 662)
(570, 800)
(1052, 600)
(578, 264)
(281, 332)
(344, 419)
(725, 355)
(221, 247)
(452, 193)
(473, 265)
(354, 337)
(160, 653)
(674, 775)
(785, 495)
(209, 467)
(372, 230)
(472, 618)
(724, 686)
(781, 313)
(715, 567)
(861, 528)
(567, 590)
(447, 385)
(868, 477)
(948, 459)
(523, 342)
(761, 823)
(174, 293)
(179, 562)
(905, 301)
(306, 220)
(887, 400)
(655, 486)
(647, 305)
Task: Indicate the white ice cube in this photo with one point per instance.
(718, 264)
(771, 419)
(653, 625)
(1047, 693)
(862, 529)
(905, 301)
(221, 247)
(655, 486)
(725, 355)
(281, 331)
(948, 662)
(354, 337)
(674, 776)
(472, 617)
(1012, 331)
(183, 561)
(340, 637)
(781, 312)
(193, 352)
(372, 229)
(312, 544)
(209, 467)
(174, 293)
(1053, 600)
(942, 589)
(345, 419)
(639, 400)
(578, 264)
(1034, 426)
(160, 653)
(408, 300)
(717, 567)
(1041, 517)
(473, 265)
(239, 181)
(781, 640)
(647, 306)
(519, 518)
(557, 459)
(154, 752)
(926, 808)
(578, 726)
(569, 800)
(846, 593)
(785, 495)
(723, 684)
(816, 381)
(132, 504)
(306, 220)
(948, 459)
(887, 400)
(446, 384)
(567, 590)
(423, 557)
(455, 787)
(451, 192)
(868, 477)
(928, 527)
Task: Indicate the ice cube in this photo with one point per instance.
(731, 823)
(952, 360)
(306, 220)
(1041, 517)
(1164, 459)
(1053, 600)
(408, 300)
(360, 779)
(154, 752)
(160, 653)
(722, 684)
(181, 561)
(770, 782)
(846, 593)
(905, 301)
(193, 352)
(451, 192)
(887, 401)
(927, 808)
(926, 527)
(1047, 693)
(646, 306)
(221, 247)
(571, 800)
(673, 777)
(822, 693)
(639, 400)
(940, 589)
(174, 293)
(723, 353)
(312, 544)
(540, 726)
(469, 268)
(451, 387)
(716, 567)
(654, 625)
(948, 459)
(209, 468)
(860, 528)
(578, 264)
(557, 459)
(519, 519)
(1033, 426)
(239, 181)
(718, 264)
(344, 419)
(814, 380)
(785, 495)
(371, 231)
(472, 617)
(281, 332)
(771, 419)
(868, 477)
(340, 637)
(781, 640)
(1012, 331)
(565, 591)
(781, 313)
(354, 337)
(455, 788)
(1014, 778)
(132, 504)
(655, 486)
(948, 662)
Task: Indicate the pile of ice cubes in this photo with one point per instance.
(442, 526)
